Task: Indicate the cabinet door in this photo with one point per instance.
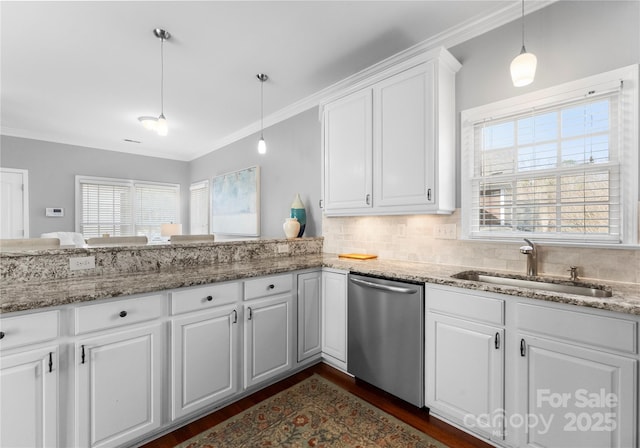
(309, 339)
(334, 316)
(347, 153)
(267, 338)
(29, 405)
(404, 143)
(204, 349)
(118, 386)
(464, 372)
(573, 396)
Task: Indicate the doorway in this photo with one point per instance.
(14, 203)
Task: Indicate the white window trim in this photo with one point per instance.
(116, 181)
(628, 144)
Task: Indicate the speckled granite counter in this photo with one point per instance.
(19, 296)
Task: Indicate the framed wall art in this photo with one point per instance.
(235, 203)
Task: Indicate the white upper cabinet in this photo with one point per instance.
(348, 136)
(389, 148)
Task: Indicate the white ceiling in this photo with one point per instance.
(82, 72)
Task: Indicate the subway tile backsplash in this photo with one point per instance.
(415, 238)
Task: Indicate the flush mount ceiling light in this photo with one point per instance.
(158, 124)
(262, 145)
(523, 66)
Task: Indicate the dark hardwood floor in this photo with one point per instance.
(421, 420)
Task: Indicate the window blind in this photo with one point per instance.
(155, 205)
(122, 207)
(199, 208)
(553, 171)
(106, 208)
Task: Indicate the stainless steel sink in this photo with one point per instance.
(562, 286)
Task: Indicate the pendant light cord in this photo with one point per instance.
(261, 108)
(161, 76)
(523, 49)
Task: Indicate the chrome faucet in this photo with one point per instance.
(532, 257)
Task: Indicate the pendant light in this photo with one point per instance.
(152, 123)
(523, 66)
(262, 145)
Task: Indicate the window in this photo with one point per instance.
(199, 208)
(121, 207)
(559, 164)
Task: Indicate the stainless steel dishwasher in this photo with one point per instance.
(385, 344)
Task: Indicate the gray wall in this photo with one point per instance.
(291, 165)
(571, 39)
(53, 167)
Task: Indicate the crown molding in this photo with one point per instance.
(449, 38)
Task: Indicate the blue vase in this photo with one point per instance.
(298, 211)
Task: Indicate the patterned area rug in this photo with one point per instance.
(313, 413)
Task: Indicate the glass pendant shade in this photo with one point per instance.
(523, 68)
(161, 126)
(262, 146)
(148, 122)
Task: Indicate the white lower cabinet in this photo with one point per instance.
(119, 363)
(576, 378)
(204, 359)
(204, 346)
(29, 380)
(309, 312)
(464, 360)
(334, 318)
(118, 386)
(574, 396)
(465, 364)
(268, 328)
(29, 404)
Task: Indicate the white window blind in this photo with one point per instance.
(121, 207)
(550, 171)
(199, 208)
(156, 204)
(105, 208)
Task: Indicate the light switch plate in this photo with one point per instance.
(445, 232)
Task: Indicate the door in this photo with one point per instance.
(204, 359)
(14, 203)
(573, 396)
(464, 373)
(347, 153)
(118, 386)
(334, 316)
(404, 140)
(309, 338)
(267, 338)
(29, 405)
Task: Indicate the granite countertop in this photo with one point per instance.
(20, 296)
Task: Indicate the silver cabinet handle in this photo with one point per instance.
(383, 287)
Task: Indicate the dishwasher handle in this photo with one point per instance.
(382, 287)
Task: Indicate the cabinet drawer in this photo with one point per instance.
(204, 297)
(29, 329)
(114, 314)
(267, 286)
(466, 305)
(588, 329)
